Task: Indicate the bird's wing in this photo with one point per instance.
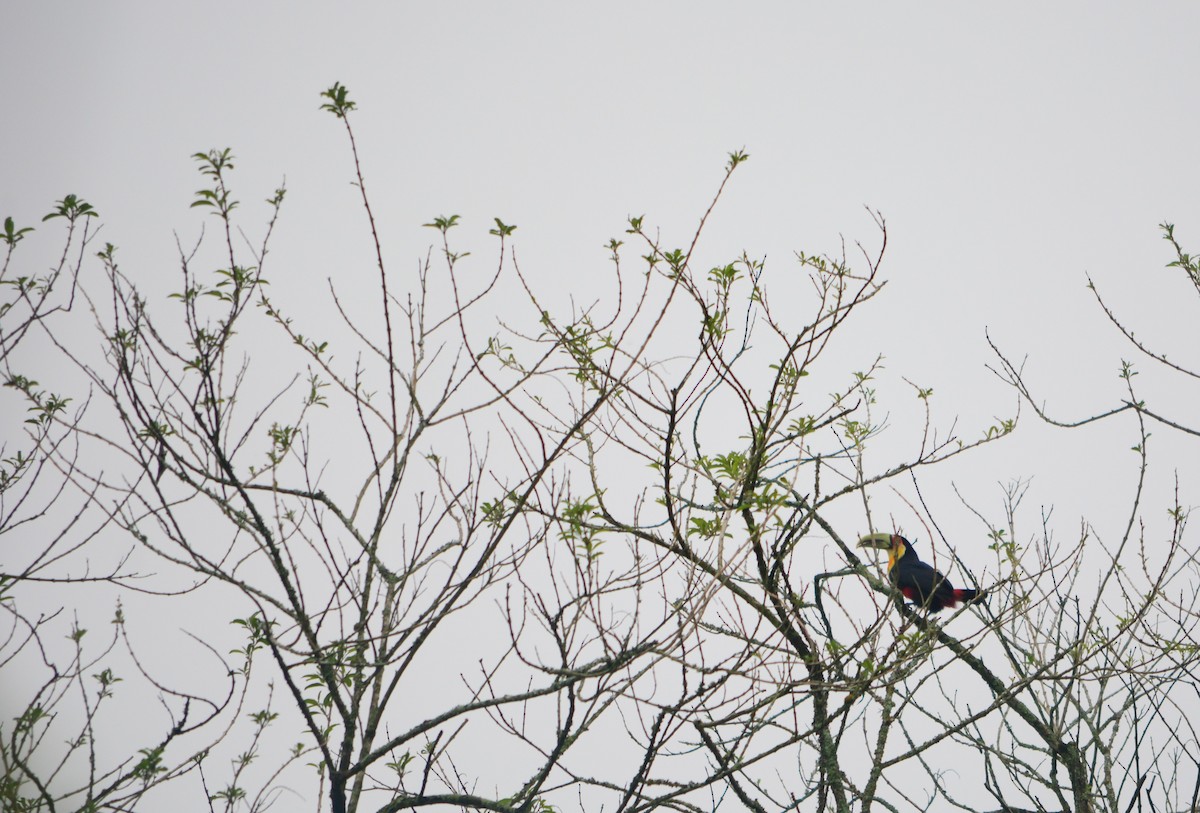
(919, 576)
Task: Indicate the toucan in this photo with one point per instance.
(918, 581)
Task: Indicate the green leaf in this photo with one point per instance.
(12, 235)
(443, 223)
(339, 103)
(501, 230)
(72, 207)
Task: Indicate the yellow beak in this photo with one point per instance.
(877, 541)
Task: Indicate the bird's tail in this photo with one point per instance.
(966, 596)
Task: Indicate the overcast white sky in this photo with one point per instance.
(1013, 148)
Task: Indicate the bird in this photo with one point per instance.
(918, 581)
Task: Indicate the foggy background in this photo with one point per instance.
(1012, 150)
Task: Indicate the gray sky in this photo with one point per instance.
(1012, 148)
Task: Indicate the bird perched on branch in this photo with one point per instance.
(918, 581)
